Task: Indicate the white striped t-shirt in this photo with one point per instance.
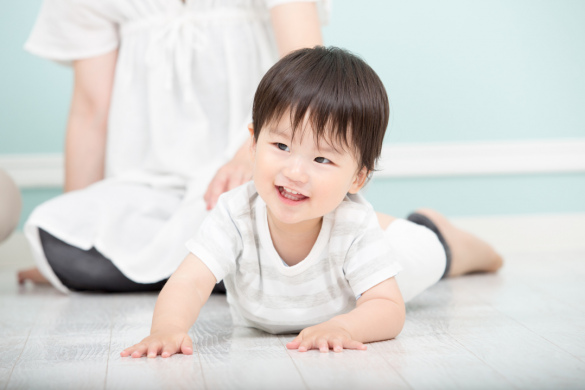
(349, 257)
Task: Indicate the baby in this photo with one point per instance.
(299, 250)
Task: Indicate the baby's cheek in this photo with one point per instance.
(334, 198)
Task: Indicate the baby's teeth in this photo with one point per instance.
(291, 191)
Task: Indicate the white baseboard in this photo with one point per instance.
(35, 170)
(398, 160)
(483, 158)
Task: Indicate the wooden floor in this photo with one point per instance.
(523, 328)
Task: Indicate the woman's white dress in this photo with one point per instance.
(182, 96)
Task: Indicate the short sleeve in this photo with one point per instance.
(67, 30)
(369, 260)
(323, 6)
(218, 244)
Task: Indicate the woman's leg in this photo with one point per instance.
(82, 270)
(88, 270)
(10, 205)
(468, 252)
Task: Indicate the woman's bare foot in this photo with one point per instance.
(32, 274)
(468, 252)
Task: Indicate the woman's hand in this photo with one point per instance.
(165, 344)
(233, 174)
(325, 336)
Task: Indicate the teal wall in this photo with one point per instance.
(486, 195)
(34, 93)
(473, 70)
(455, 71)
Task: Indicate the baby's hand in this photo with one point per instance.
(164, 344)
(324, 336)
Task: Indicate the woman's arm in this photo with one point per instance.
(177, 308)
(379, 315)
(85, 143)
(296, 25)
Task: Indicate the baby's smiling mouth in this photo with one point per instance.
(291, 194)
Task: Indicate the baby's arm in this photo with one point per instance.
(379, 315)
(176, 310)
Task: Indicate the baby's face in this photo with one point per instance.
(299, 180)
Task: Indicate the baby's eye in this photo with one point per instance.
(322, 160)
(282, 147)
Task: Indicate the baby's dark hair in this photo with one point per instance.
(344, 98)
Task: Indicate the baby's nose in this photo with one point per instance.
(297, 171)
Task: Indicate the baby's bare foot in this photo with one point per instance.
(469, 253)
(32, 274)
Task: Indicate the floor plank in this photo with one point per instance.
(520, 355)
(179, 371)
(240, 358)
(438, 361)
(340, 370)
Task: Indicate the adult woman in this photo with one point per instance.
(157, 127)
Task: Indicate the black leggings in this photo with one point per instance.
(82, 270)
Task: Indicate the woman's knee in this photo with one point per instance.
(10, 205)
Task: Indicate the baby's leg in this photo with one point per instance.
(468, 252)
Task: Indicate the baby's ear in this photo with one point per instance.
(252, 141)
(360, 180)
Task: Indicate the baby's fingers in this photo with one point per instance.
(295, 343)
(129, 351)
(187, 346)
(323, 345)
(306, 345)
(352, 344)
(337, 345)
(153, 349)
(169, 349)
(135, 351)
